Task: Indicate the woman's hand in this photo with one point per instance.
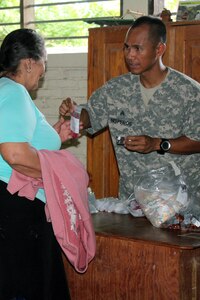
(63, 129)
(68, 106)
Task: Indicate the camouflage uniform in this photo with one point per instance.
(173, 111)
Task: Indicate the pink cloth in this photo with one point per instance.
(65, 182)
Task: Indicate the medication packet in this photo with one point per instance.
(75, 122)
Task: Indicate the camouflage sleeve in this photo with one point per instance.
(192, 112)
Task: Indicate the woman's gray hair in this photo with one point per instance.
(20, 44)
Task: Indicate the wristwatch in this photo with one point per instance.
(164, 146)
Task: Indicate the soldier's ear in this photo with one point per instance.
(160, 49)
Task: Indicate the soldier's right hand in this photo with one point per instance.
(67, 107)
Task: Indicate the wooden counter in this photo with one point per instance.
(136, 261)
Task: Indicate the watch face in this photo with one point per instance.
(165, 145)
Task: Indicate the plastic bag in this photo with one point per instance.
(109, 204)
(134, 207)
(162, 195)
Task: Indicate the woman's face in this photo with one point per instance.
(35, 72)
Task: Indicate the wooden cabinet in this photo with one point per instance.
(136, 261)
(106, 60)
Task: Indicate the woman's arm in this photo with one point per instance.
(22, 158)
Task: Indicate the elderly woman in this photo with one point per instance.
(31, 264)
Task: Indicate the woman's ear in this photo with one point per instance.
(28, 62)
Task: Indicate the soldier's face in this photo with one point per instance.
(139, 51)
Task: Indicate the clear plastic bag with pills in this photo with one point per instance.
(162, 195)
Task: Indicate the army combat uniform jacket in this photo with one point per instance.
(172, 111)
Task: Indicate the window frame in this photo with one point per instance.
(27, 16)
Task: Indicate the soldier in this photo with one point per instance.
(154, 107)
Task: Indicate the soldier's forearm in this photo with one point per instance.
(85, 119)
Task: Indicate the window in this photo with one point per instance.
(62, 23)
(172, 5)
(9, 16)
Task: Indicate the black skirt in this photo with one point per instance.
(31, 263)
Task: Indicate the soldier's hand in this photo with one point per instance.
(67, 107)
(142, 143)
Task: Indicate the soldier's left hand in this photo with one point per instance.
(141, 143)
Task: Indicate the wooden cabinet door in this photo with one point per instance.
(192, 52)
(183, 48)
(105, 60)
